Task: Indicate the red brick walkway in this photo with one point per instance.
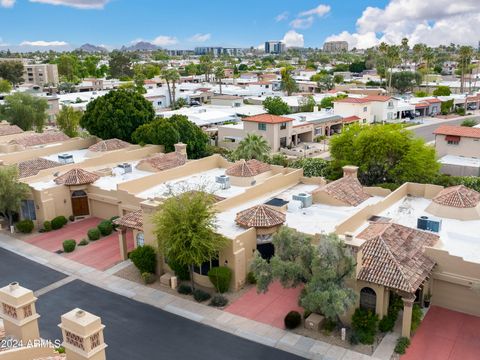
(446, 335)
(269, 308)
(101, 254)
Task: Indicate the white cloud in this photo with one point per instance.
(302, 23)
(431, 22)
(78, 4)
(320, 10)
(281, 17)
(293, 39)
(7, 3)
(164, 40)
(200, 38)
(42, 43)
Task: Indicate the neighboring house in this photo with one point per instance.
(353, 106)
(40, 74)
(227, 100)
(458, 148)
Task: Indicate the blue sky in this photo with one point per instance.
(184, 24)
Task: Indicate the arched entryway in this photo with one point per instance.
(80, 203)
(368, 299)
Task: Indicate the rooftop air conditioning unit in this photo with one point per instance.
(127, 168)
(223, 180)
(429, 224)
(303, 118)
(65, 159)
(306, 199)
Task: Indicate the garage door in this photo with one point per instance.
(456, 297)
(103, 210)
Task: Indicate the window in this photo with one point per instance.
(452, 139)
(453, 142)
(206, 266)
(28, 210)
(283, 126)
(365, 109)
(140, 238)
(262, 126)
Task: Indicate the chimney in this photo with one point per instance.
(181, 148)
(350, 170)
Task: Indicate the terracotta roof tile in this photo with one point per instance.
(354, 100)
(40, 139)
(458, 197)
(379, 98)
(34, 166)
(248, 168)
(267, 118)
(346, 189)
(458, 131)
(393, 256)
(109, 145)
(132, 220)
(7, 129)
(350, 119)
(76, 177)
(260, 216)
(162, 161)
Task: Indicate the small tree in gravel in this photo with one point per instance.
(12, 192)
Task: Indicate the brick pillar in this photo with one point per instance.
(83, 336)
(17, 309)
(407, 315)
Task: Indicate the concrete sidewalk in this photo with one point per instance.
(237, 325)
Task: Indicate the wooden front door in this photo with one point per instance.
(80, 203)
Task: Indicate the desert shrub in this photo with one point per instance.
(387, 323)
(149, 278)
(59, 222)
(144, 258)
(364, 323)
(292, 320)
(105, 227)
(83, 242)
(93, 234)
(69, 245)
(184, 289)
(402, 344)
(417, 315)
(71, 218)
(251, 278)
(181, 271)
(218, 301)
(460, 111)
(115, 226)
(25, 226)
(220, 277)
(47, 226)
(200, 295)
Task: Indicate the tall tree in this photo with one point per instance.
(276, 106)
(120, 65)
(253, 146)
(186, 229)
(288, 83)
(429, 57)
(26, 111)
(465, 54)
(11, 70)
(12, 192)
(171, 77)
(219, 74)
(405, 52)
(206, 65)
(68, 121)
(68, 67)
(5, 86)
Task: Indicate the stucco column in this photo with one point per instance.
(83, 336)
(407, 315)
(17, 309)
(122, 241)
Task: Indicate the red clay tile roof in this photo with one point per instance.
(346, 189)
(458, 197)
(421, 105)
(260, 216)
(393, 256)
(350, 119)
(458, 131)
(162, 161)
(7, 129)
(267, 118)
(132, 220)
(40, 139)
(34, 166)
(109, 145)
(76, 177)
(248, 168)
(433, 101)
(352, 100)
(380, 98)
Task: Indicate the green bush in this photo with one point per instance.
(402, 344)
(200, 295)
(59, 222)
(93, 234)
(105, 227)
(387, 323)
(469, 122)
(353, 338)
(184, 289)
(25, 226)
(144, 258)
(292, 320)
(181, 271)
(219, 301)
(251, 279)
(364, 323)
(69, 245)
(115, 226)
(329, 325)
(417, 315)
(220, 277)
(460, 111)
(149, 278)
(83, 242)
(47, 226)
(306, 313)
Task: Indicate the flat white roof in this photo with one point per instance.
(460, 160)
(111, 182)
(78, 155)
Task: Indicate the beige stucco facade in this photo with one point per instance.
(362, 110)
(467, 147)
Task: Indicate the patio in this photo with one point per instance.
(101, 254)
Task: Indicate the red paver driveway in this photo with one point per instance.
(101, 254)
(269, 308)
(446, 335)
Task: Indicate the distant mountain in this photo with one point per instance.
(89, 48)
(141, 46)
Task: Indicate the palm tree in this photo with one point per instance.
(252, 147)
(171, 77)
(418, 50)
(219, 73)
(405, 48)
(428, 56)
(393, 58)
(465, 54)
